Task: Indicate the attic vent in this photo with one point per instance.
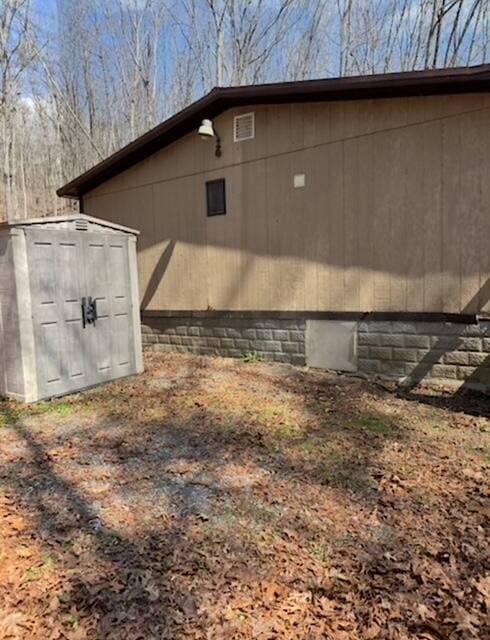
(244, 127)
(81, 225)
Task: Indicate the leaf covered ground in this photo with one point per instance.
(212, 498)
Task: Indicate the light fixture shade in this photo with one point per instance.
(206, 129)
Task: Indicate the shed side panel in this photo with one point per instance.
(11, 374)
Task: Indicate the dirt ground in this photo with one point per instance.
(213, 498)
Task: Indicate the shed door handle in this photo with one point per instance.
(89, 311)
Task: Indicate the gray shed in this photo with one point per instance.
(69, 305)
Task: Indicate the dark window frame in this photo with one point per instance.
(210, 184)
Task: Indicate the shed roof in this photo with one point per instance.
(68, 218)
(392, 85)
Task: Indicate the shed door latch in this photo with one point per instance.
(89, 311)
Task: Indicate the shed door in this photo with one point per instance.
(110, 348)
(64, 267)
(57, 284)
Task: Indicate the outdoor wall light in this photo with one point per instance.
(206, 131)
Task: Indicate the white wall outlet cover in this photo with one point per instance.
(299, 180)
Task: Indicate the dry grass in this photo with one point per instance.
(212, 498)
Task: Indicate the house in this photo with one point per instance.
(344, 223)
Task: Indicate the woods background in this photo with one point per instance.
(81, 78)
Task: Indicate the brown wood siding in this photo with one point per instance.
(395, 214)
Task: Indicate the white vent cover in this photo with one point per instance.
(244, 127)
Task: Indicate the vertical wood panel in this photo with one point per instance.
(451, 215)
(431, 135)
(223, 252)
(312, 217)
(286, 236)
(382, 203)
(399, 214)
(316, 123)
(335, 217)
(365, 208)
(410, 214)
(352, 195)
(317, 238)
(471, 212)
(181, 261)
(250, 203)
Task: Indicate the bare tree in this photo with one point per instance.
(15, 58)
(235, 40)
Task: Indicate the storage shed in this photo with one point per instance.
(69, 305)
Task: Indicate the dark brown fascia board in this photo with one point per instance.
(380, 316)
(392, 85)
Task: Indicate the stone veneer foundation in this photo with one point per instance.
(276, 339)
(413, 350)
(426, 350)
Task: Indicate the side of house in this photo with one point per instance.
(334, 210)
(393, 215)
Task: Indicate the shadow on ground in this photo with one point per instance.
(463, 400)
(212, 499)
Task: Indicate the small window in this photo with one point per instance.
(244, 127)
(215, 197)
